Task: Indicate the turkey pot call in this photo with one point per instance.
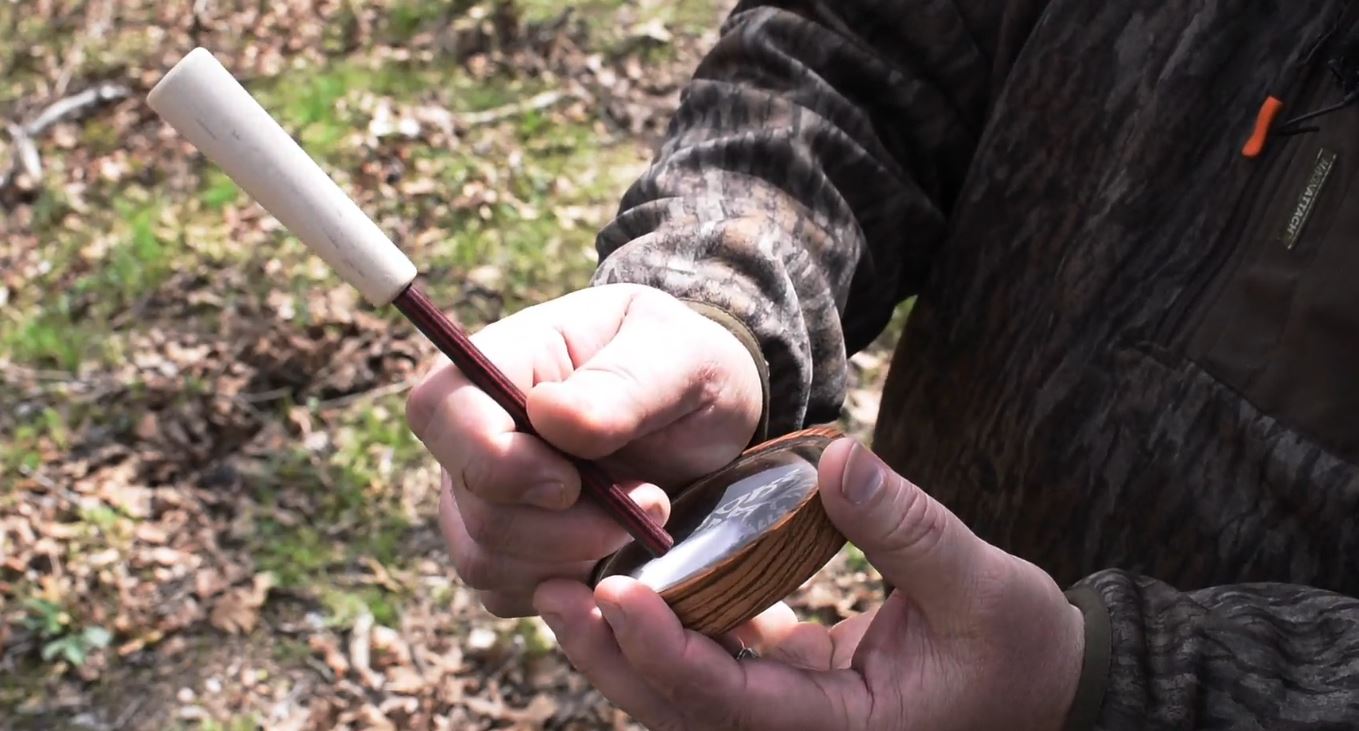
(746, 536)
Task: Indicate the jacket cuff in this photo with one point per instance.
(1085, 707)
(743, 333)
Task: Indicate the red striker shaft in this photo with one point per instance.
(453, 342)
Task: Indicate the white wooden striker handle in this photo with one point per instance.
(203, 102)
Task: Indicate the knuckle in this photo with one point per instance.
(474, 473)
(490, 529)
(923, 526)
(423, 403)
(506, 605)
(476, 569)
(612, 420)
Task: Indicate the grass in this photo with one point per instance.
(66, 320)
(344, 607)
(110, 246)
(156, 235)
(246, 722)
(855, 559)
(32, 439)
(353, 490)
(689, 18)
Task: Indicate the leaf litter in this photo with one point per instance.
(212, 515)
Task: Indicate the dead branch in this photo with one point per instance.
(370, 395)
(25, 160)
(534, 103)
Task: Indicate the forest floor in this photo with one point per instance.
(212, 515)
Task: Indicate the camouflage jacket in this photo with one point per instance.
(1133, 355)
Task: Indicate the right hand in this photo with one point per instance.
(623, 374)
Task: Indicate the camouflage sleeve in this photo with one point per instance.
(1266, 656)
(807, 177)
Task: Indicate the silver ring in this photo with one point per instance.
(747, 653)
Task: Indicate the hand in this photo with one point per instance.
(620, 372)
(973, 638)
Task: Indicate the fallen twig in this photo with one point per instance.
(129, 712)
(370, 395)
(532, 104)
(23, 137)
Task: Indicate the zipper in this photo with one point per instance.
(1311, 79)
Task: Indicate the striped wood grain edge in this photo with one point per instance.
(769, 568)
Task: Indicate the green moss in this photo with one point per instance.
(351, 489)
(295, 554)
(855, 559)
(599, 13)
(343, 606)
(289, 652)
(65, 330)
(246, 722)
(218, 190)
(407, 18)
(53, 339)
(21, 452)
(134, 268)
(535, 643)
(99, 516)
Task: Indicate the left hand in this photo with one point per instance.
(972, 638)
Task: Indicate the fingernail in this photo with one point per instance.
(656, 512)
(547, 495)
(863, 477)
(613, 614)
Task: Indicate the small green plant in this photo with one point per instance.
(344, 606)
(855, 559)
(75, 648)
(248, 722)
(62, 639)
(100, 516)
(536, 644)
(137, 266)
(219, 191)
(51, 337)
(293, 553)
(24, 450)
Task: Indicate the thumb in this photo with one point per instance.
(650, 374)
(914, 542)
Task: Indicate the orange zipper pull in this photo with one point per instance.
(1269, 111)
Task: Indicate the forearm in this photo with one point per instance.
(1249, 656)
(806, 180)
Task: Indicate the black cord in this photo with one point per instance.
(1345, 68)
(1290, 127)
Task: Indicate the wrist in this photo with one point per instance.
(747, 339)
(1069, 667)
(1086, 696)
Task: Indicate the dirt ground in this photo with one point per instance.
(212, 515)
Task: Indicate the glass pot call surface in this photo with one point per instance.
(724, 513)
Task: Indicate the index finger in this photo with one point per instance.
(474, 439)
(697, 674)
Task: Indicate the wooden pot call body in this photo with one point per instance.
(747, 536)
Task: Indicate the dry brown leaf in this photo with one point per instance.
(183, 428)
(148, 426)
(238, 610)
(166, 556)
(208, 583)
(150, 533)
(404, 680)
